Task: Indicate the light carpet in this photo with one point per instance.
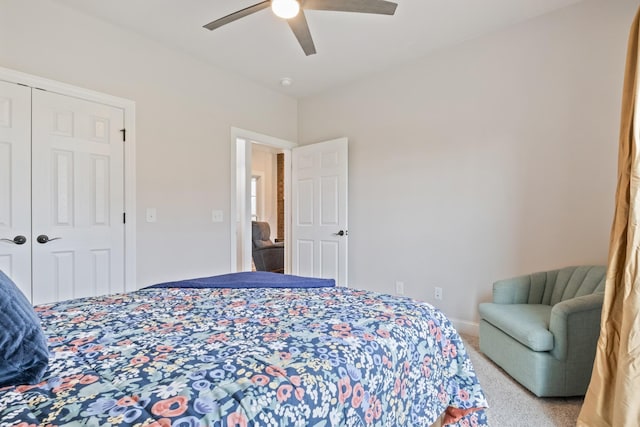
(512, 405)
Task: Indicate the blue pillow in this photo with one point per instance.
(23, 347)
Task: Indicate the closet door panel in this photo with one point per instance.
(15, 184)
(78, 200)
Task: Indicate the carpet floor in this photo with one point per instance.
(512, 405)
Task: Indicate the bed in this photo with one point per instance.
(248, 353)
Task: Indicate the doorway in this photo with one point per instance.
(316, 240)
(262, 203)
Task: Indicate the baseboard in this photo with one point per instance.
(465, 327)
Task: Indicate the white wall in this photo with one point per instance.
(264, 162)
(488, 159)
(185, 110)
(491, 158)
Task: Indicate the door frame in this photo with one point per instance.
(239, 216)
(129, 109)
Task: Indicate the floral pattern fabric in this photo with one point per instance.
(247, 357)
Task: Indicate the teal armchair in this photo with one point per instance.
(542, 328)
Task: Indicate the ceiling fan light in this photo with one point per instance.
(285, 9)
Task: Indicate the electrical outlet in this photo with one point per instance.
(437, 293)
(399, 288)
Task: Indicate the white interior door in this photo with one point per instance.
(15, 184)
(319, 210)
(78, 198)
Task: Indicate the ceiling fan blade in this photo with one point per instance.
(237, 15)
(301, 29)
(380, 7)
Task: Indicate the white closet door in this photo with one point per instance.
(15, 184)
(78, 198)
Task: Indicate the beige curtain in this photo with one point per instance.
(613, 397)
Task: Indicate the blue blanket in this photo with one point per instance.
(248, 357)
(250, 279)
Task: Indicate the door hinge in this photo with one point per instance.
(124, 135)
(124, 217)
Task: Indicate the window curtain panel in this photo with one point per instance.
(613, 397)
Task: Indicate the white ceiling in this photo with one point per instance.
(350, 45)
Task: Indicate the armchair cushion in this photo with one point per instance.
(261, 234)
(527, 323)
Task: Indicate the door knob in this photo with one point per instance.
(43, 238)
(18, 240)
(341, 233)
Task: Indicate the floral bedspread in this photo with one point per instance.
(247, 357)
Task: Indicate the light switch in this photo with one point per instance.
(151, 215)
(217, 216)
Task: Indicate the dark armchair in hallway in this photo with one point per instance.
(267, 256)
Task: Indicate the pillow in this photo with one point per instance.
(23, 347)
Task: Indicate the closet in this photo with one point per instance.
(62, 198)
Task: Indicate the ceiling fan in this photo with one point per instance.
(293, 12)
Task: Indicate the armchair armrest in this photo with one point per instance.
(269, 258)
(512, 291)
(575, 325)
